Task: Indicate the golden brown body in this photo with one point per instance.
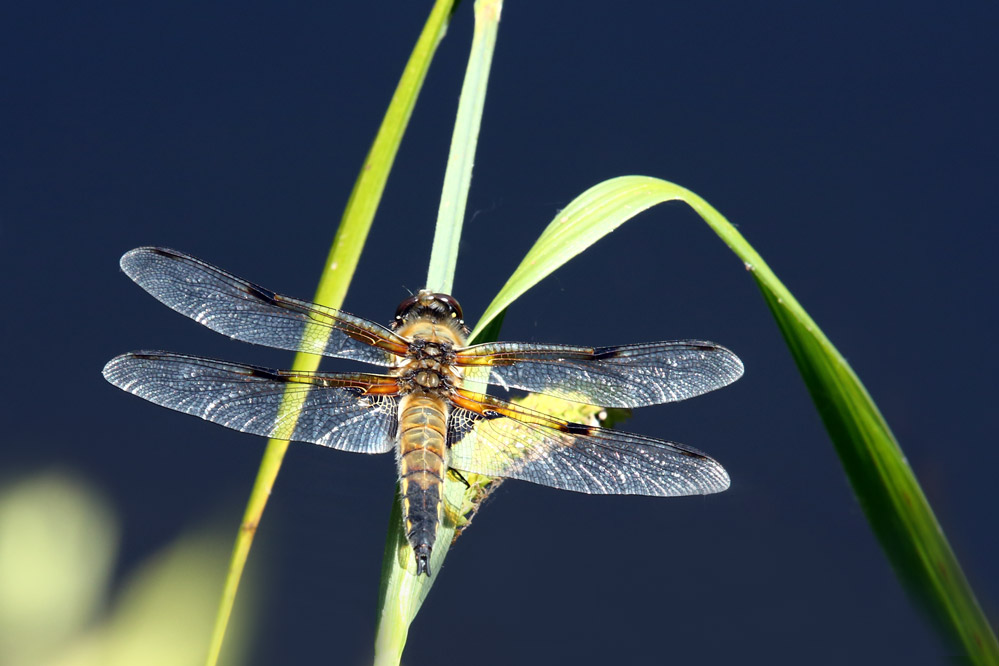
(427, 378)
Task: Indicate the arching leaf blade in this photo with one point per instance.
(896, 508)
(588, 218)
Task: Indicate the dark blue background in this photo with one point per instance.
(854, 144)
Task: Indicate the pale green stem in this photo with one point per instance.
(465, 138)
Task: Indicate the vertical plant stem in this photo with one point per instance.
(401, 592)
(340, 266)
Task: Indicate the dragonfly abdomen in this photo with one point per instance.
(422, 429)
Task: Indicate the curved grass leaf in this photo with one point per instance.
(886, 488)
(339, 269)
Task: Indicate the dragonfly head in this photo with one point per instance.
(441, 308)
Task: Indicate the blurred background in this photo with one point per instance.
(853, 144)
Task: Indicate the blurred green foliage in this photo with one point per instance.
(58, 543)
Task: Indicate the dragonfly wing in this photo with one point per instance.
(624, 376)
(245, 311)
(339, 410)
(496, 438)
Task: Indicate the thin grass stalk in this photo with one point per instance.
(461, 156)
(335, 279)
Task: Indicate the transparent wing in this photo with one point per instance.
(625, 376)
(332, 409)
(245, 311)
(496, 438)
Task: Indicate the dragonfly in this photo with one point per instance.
(424, 406)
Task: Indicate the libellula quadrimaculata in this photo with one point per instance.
(423, 408)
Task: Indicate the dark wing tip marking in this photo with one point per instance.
(144, 355)
(138, 253)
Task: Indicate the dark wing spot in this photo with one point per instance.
(263, 373)
(577, 429)
(260, 293)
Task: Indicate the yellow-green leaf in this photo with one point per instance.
(336, 276)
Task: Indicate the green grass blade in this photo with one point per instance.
(894, 503)
(892, 499)
(464, 139)
(401, 592)
(339, 269)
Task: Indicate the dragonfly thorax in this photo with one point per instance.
(427, 375)
(429, 365)
(438, 351)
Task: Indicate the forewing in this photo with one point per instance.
(625, 376)
(330, 409)
(245, 311)
(496, 438)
